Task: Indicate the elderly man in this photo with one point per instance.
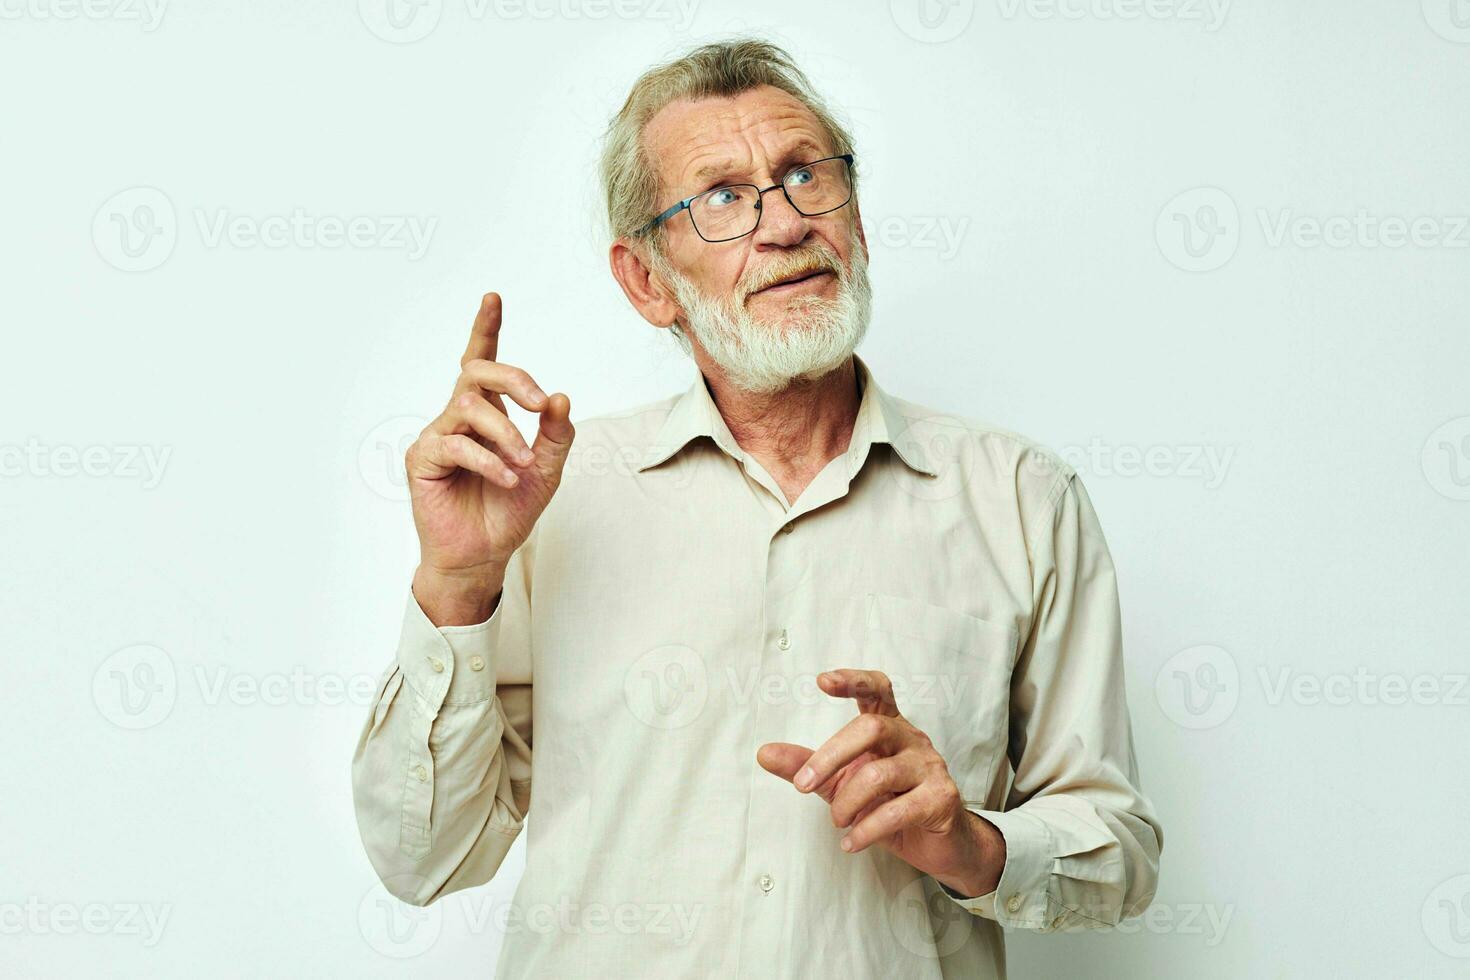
(808, 680)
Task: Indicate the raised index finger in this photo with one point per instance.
(485, 334)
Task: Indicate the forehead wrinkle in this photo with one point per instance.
(719, 122)
(726, 165)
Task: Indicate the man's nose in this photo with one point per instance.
(781, 225)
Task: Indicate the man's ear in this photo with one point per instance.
(857, 222)
(649, 297)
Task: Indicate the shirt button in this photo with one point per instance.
(785, 642)
(477, 663)
(785, 528)
(1057, 922)
(421, 773)
(1013, 904)
(766, 882)
(437, 664)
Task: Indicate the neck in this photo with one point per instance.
(796, 431)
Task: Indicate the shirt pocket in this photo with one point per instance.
(951, 678)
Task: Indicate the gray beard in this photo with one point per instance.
(764, 359)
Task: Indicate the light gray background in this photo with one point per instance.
(1091, 222)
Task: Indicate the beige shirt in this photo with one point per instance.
(670, 614)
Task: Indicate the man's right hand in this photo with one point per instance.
(475, 496)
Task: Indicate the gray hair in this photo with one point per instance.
(726, 68)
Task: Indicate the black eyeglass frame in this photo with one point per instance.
(684, 205)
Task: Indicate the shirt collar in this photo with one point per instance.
(878, 420)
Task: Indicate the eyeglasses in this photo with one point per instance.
(734, 210)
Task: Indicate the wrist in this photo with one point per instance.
(983, 857)
(460, 596)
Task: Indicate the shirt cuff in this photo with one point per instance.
(1020, 898)
(448, 664)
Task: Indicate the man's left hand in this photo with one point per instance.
(886, 784)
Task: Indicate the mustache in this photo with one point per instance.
(791, 264)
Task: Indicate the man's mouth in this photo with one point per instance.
(795, 281)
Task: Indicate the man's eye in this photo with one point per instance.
(799, 177)
(723, 197)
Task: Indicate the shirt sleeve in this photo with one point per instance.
(1082, 840)
(442, 772)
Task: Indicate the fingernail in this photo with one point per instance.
(526, 455)
(805, 777)
(847, 843)
(539, 394)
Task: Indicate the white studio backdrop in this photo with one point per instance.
(1215, 253)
